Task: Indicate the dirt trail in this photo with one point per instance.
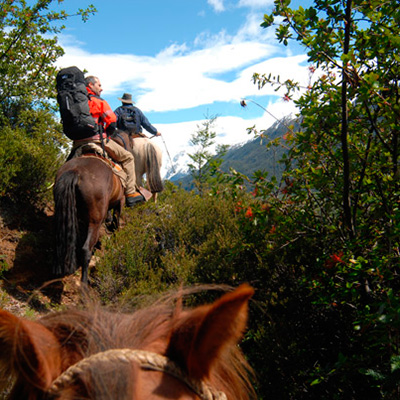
(26, 254)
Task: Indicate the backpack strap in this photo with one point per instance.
(99, 124)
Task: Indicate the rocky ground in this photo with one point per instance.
(26, 254)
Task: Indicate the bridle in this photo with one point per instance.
(146, 360)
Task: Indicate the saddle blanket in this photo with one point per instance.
(95, 150)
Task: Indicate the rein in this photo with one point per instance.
(146, 360)
(122, 139)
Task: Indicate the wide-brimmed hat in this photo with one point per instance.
(126, 98)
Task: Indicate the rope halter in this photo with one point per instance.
(146, 360)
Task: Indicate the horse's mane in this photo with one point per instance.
(94, 329)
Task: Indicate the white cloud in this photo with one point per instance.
(214, 68)
(206, 40)
(251, 30)
(255, 3)
(217, 5)
(183, 77)
(172, 82)
(173, 50)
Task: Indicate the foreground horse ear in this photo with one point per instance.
(208, 330)
(28, 350)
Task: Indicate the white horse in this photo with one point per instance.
(148, 160)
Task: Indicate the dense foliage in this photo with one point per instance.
(336, 213)
(321, 245)
(184, 238)
(29, 157)
(30, 136)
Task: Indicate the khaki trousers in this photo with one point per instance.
(125, 158)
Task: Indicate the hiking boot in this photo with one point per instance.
(134, 198)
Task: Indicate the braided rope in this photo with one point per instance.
(146, 360)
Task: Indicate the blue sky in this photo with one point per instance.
(183, 60)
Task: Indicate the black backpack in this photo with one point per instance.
(73, 100)
(127, 119)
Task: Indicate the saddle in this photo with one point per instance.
(94, 150)
(136, 135)
(131, 136)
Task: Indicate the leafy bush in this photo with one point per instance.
(313, 330)
(29, 157)
(183, 239)
(30, 139)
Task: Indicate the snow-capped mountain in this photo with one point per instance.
(245, 157)
(176, 141)
(176, 157)
(179, 166)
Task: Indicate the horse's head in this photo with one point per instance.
(156, 353)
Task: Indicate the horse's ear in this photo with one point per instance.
(29, 351)
(208, 330)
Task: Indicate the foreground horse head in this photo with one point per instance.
(161, 352)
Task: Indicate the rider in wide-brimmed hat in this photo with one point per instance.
(126, 98)
(131, 119)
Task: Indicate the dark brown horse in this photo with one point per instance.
(160, 352)
(85, 192)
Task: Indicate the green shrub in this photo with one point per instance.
(183, 239)
(30, 154)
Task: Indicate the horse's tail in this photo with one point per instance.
(66, 224)
(153, 167)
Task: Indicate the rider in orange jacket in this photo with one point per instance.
(105, 117)
(100, 109)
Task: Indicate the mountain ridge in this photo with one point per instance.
(254, 155)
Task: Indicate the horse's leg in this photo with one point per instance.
(85, 266)
(109, 218)
(87, 249)
(112, 222)
(116, 217)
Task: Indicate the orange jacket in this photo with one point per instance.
(100, 110)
